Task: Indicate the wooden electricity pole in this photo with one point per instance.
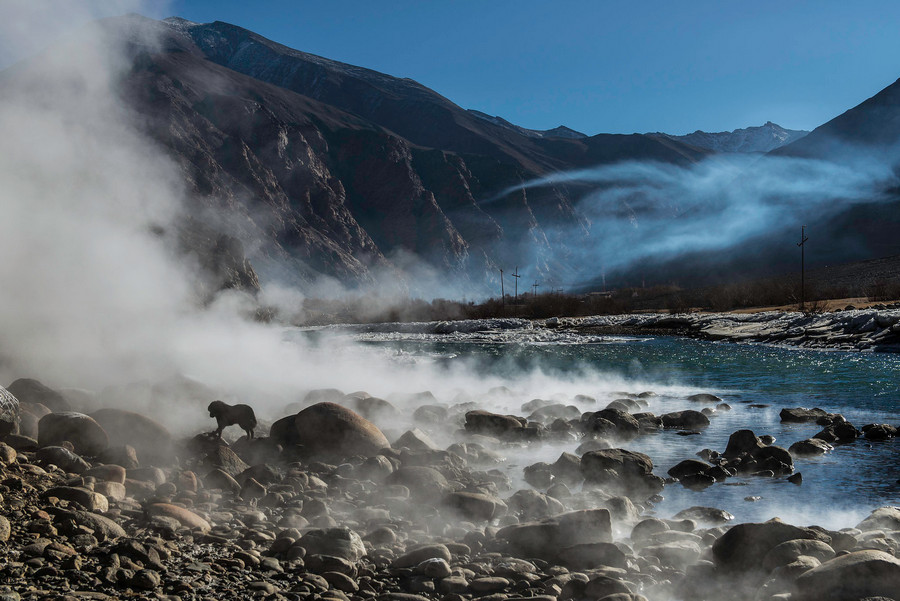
(517, 276)
(802, 245)
(535, 286)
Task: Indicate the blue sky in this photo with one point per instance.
(603, 66)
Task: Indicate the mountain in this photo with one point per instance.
(764, 138)
(873, 124)
(328, 168)
(313, 167)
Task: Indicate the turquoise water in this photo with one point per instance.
(838, 489)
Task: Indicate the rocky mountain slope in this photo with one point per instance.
(344, 171)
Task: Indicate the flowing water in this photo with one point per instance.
(757, 381)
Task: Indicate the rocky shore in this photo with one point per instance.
(876, 329)
(109, 505)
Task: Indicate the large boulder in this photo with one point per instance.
(474, 505)
(788, 552)
(425, 484)
(685, 419)
(744, 547)
(857, 575)
(549, 538)
(626, 426)
(493, 424)
(28, 390)
(152, 441)
(336, 542)
(741, 442)
(86, 435)
(183, 516)
(330, 430)
(621, 471)
(62, 458)
(801, 415)
(809, 447)
(883, 518)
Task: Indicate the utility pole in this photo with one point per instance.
(802, 245)
(535, 286)
(502, 293)
(517, 276)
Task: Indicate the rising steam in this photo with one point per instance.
(644, 211)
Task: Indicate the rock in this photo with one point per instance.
(420, 554)
(415, 440)
(740, 442)
(32, 391)
(744, 546)
(152, 441)
(332, 431)
(591, 556)
(801, 415)
(185, 517)
(788, 552)
(857, 575)
(22, 443)
(687, 468)
(5, 529)
(674, 554)
(704, 398)
(627, 471)
(707, 516)
(879, 431)
(109, 473)
(841, 433)
(475, 506)
(548, 538)
(85, 434)
(585, 526)
(111, 490)
(374, 409)
(689, 419)
(424, 483)
(647, 528)
(337, 542)
(218, 478)
(883, 518)
(493, 424)
(602, 587)
(430, 414)
(284, 431)
(626, 426)
(103, 527)
(539, 475)
(146, 580)
(62, 458)
(775, 458)
(567, 468)
(90, 500)
(488, 584)
(154, 475)
(531, 504)
(124, 455)
(223, 458)
(809, 448)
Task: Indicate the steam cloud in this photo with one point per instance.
(642, 211)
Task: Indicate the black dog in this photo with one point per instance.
(228, 415)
